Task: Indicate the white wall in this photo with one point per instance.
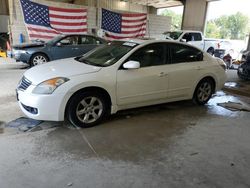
(4, 23)
(158, 25)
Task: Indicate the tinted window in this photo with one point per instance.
(150, 55)
(71, 40)
(87, 40)
(187, 37)
(196, 36)
(192, 37)
(181, 53)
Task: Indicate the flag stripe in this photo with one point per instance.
(41, 36)
(68, 17)
(133, 15)
(66, 20)
(58, 27)
(132, 21)
(73, 30)
(42, 30)
(132, 26)
(67, 14)
(67, 10)
(134, 31)
(114, 37)
(68, 24)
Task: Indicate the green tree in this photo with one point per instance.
(176, 19)
(212, 30)
(221, 23)
(234, 26)
(238, 25)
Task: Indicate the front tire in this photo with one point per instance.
(38, 59)
(87, 109)
(203, 91)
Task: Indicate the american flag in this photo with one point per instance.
(45, 22)
(123, 25)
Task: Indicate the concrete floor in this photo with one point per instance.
(171, 145)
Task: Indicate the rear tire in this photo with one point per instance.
(87, 109)
(203, 91)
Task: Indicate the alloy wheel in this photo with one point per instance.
(204, 91)
(89, 109)
(39, 59)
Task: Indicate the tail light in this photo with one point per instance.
(222, 63)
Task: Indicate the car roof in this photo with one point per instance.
(146, 41)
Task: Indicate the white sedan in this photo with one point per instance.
(118, 76)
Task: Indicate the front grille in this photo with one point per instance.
(24, 84)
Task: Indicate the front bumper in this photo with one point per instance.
(41, 107)
(23, 57)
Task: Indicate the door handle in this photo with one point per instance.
(163, 74)
(75, 48)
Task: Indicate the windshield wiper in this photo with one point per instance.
(87, 62)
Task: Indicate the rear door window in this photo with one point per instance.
(182, 53)
(88, 40)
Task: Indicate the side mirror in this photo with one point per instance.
(59, 44)
(183, 40)
(131, 65)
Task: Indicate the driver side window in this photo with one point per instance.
(150, 55)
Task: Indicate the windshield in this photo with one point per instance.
(107, 55)
(55, 39)
(174, 35)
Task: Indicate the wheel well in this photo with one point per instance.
(209, 78)
(37, 54)
(210, 48)
(94, 89)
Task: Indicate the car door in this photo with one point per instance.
(87, 43)
(66, 47)
(185, 69)
(149, 82)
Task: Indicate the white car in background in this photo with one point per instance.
(118, 76)
(194, 38)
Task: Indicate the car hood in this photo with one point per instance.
(34, 45)
(59, 68)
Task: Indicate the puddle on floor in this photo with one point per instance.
(232, 85)
(221, 97)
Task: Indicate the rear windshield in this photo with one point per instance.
(174, 35)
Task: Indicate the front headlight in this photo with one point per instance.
(19, 51)
(49, 86)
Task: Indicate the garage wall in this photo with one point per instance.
(4, 10)
(4, 23)
(158, 25)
